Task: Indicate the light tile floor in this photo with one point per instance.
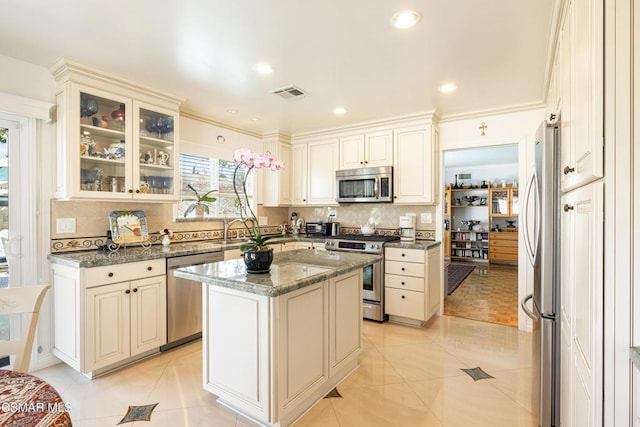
(407, 377)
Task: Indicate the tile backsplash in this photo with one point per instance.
(92, 221)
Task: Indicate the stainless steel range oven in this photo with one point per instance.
(372, 275)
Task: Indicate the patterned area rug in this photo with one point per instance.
(457, 274)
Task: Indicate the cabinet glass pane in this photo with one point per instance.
(499, 202)
(515, 210)
(103, 150)
(157, 156)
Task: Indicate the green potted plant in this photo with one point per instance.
(201, 204)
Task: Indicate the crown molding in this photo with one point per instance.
(65, 69)
(199, 117)
(493, 111)
(430, 116)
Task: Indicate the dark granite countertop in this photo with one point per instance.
(97, 258)
(290, 271)
(635, 356)
(418, 244)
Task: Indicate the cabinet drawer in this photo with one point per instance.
(399, 254)
(404, 268)
(408, 304)
(503, 250)
(504, 243)
(124, 272)
(503, 235)
(404, 282)
(503, 257)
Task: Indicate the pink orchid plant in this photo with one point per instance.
(248, 159)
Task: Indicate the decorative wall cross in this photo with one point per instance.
(482, 127)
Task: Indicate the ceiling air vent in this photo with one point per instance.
(291, 93)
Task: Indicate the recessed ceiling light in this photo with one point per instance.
(232, 111)
(339, 110)
(405, 19)
(264, 68)
(255, 119)
(448, 87)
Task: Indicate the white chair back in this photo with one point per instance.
(27, 301)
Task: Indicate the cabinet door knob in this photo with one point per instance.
(402, 297)
(365, 162)
(130, 191)
(568, 208)
(127, 291)
(395, 197)
(304, 200)
(149, 268)
(110, 274)
(402, 255)
(402, 269)
(137, 191)
(135, 289)
(568, 170)
(361, 163)
(402, 283)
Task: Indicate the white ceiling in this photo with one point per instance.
(343, 52)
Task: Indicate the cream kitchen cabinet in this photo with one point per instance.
(372, 149)
(115, 141)
(415, 167)
(314, 166)
(582, 313)
(582, 59)
(108, 316)
(316, 340)
(412, 285)
(276, 187)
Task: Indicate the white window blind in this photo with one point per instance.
(204, 174)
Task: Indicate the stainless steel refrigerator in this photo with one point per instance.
(541, 225)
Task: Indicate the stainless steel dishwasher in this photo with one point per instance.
(184, 300)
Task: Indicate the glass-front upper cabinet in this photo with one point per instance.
(115, 140)
(104, 145)
(156, 167)
(515, 209)
(504, 202)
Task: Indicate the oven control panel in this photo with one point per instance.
(353, 246)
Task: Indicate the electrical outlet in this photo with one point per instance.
(65, 225)
(263, 220)
(425, 218)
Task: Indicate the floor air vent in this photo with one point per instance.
(291, 93)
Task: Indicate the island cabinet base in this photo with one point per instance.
(272, 358)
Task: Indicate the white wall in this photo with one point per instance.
(509, 128)
(25, 79)
(201, 138)
(491, 173)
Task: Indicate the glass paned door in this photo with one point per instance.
(157, 157)
(103, 144)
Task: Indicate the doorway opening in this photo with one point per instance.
(480, 215)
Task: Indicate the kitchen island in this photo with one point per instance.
(274, 344)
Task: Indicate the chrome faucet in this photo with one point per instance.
(227, 224)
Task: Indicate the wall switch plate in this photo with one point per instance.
(65, 225)
(425, 218)
(263, 220)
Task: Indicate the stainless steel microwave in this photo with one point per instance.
(365, 185)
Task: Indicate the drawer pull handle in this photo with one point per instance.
(135, 289)
(149, 268)
(127, 291)
(402, 283)
(402, 297)
(568, 208)
(568, 170)
(402, 269)
(402, 255)
(110, 274)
